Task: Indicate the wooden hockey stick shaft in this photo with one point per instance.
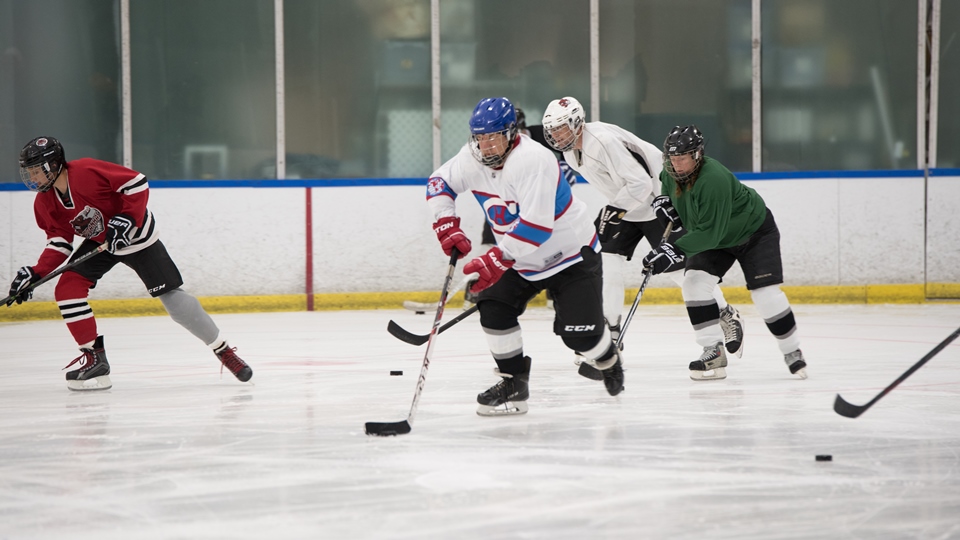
(845, 408)
(72, 264)
(404, 426)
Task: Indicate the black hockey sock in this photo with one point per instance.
(514, 365)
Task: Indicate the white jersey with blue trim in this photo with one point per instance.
(623, 167)
(534, 216)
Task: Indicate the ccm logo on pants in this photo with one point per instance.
(579, 328)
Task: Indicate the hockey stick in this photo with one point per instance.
(845, 408)
(72, 264)
(422, 307)
(591, 372)
(636, 301)
(417, 339)
(384, 429)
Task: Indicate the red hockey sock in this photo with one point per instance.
(71, 295)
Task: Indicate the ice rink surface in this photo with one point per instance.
(177, 450)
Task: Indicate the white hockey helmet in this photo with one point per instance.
(563, 123)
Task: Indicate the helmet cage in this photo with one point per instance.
(502, 145)
(682, 141)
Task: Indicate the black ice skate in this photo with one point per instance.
(612, 373)
(732, 326)
(94, 370)
(228, 357)
(796, 363)
(509, 396)
(588, 369)
(711, 364)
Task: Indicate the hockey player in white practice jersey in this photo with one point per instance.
(545, 240)
(626, 170)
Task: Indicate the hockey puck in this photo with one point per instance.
(401, 373)
(419, 312)
(824, 457)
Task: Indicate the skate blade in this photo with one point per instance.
(97, 383)
(507, 409)
(802, 373)
(710, 375)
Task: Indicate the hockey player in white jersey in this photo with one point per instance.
(545, 240)
(625, 169)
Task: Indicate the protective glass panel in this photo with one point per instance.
(529, 51)
(839, 84)
(59, 76)
(357, 88)
(203, 87)
(665, 63)
(948, 117)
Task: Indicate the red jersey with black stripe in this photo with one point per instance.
(96, 191)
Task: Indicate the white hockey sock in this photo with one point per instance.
(773, 306)
(699, 288)
(504, 343)
(613, 288)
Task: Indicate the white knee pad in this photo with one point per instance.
(770, 301)
(699, 286)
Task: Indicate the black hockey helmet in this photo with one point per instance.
(41, 156)
(521, 118)
(681, 141)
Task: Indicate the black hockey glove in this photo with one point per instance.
(608, 224)
(663, 258)
(20, 290)
(666, 213)
(119, 229)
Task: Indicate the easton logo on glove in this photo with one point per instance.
(490, 267)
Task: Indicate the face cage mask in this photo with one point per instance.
(494, 161)
(684, 178)
(33, 185)
(566, 142)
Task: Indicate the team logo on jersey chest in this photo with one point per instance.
(88, 223)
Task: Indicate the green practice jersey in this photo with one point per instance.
(719, 212)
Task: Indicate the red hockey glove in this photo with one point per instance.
(450, 236)
(490, 266)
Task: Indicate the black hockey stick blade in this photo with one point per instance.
(387, 429)
(416, 339)
(845, 408)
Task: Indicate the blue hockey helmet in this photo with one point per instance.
(493, 116)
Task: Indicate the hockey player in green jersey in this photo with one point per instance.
(726, 222)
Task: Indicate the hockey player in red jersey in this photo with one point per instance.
(104, 203)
